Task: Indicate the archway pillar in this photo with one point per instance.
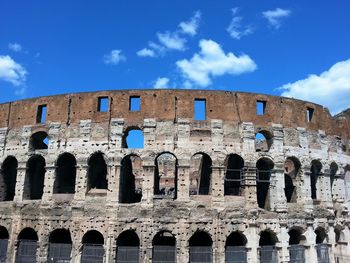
(49, 180)
(183, 180)
(148, 184)
(217, 185)
(252, 245)
(249, 186)
(283, 244)
(81, 182)
(278, 201)
(20, 182)
(310, 249)
(113, 183)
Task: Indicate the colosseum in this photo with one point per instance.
(173, 176)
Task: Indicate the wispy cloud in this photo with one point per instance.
(236, 29)
(331, 88)
(172, 40)
(274, 16)
(11, 71)
(15, 47)
(211, 61)
(161, 83)
(114, 57)
(190, 27)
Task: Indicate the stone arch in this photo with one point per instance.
(267, 242)
(292, 168)
(263, 140)
(164, 247)
(200, 174)
(39, 141)
(165, 175)
(65, 174)
(128, 244)
(130, 184)
(200, 244)
(133, 137)
(8, 178)
(97, 172)
(234, 165)
(35, 176)
(60, 246)
(264, 168)
(4, 237)
(235, 247)
(321, 245)
(27, 245)
(296, 248)
(315, 170)
(93, 242)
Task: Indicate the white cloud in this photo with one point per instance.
(274, 16)
(11, 71)
(15, 47)
(212, 61)
(146, 52)
(331, 88)
(114, 57)
(172, 40)
(161, 83)
(235, 28)
(190, 27)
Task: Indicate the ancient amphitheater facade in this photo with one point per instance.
(204, 187)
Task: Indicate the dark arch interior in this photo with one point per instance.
(129, 192)
(9, 173)
(36, 175)
(267, 238)
(294, 237)
(97, 172)
(28, 234)
(333, 171)
(93, 237)
(61, 236)
(264, 167)
(200, 238)
(128, 238)
(320, 235)
(39, 141)
(164, 239)
(288, 187)
(65, 174)
(201, 166)
(236, 239)
(316, 168)
(4, 234)
(165, 175)
(234, 166)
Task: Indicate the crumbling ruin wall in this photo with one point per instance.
(196, 183)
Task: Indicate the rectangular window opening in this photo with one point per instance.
(199, 109)
(309, 114)
(135, 103)
(41, 114)
(260, 107)
(102, 105)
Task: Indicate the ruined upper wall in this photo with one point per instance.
(165, 105)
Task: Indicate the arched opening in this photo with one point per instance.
(97, 172)
(128, 244)
(39, 141)
(65, 174)
(291, 171)
(60, 246)
(264, 169)
(235, 248)
(201, 247)
(34, 181)
(296, 249)
(200, 175)
(321, 245)
(27, 246)
(315, 170)
(130, 186)
(4, 237)
(133, 138)
(93, 250)
(263, 141)
(9, 175)
(333, 171)
(233, 175)
(164, 248)
(267, 242)
(165, 176)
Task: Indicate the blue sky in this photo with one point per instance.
(295, 48)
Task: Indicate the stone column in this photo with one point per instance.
(278, 201)
(183, 180)
(249, 187)
(148, 184)
(331, 241)
(49, 180)
(310, 250)
(3, 133)
(283, 243)
(113, 183)
(217, 185)
(252, 242)
(42, 250)
(308, 202)
(325, 190)
(110, 249)
(81, 181)
(20, 182)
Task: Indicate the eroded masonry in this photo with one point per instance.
(173, 176)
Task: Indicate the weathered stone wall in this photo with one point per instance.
(74, 125)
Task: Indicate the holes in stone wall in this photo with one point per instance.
(134, 103)
(264, 169)
(39, 141)
(133, 138)
(200, 110)
(130, 187)
(41, 114)
(165, 176)
(233, 175)
(200, 174)
(263, 141)
(315, 170)
(34, 181)
(9, 174)
(97, 172)
(65, 174)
